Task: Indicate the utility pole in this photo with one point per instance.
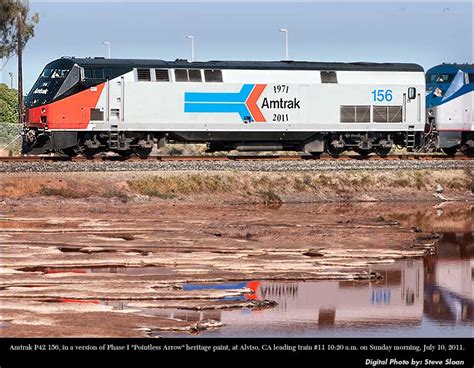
(285, 31)
(20, 73)
(107, 43)
(11, 79)
(192, 46)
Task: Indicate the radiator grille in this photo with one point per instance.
(328, 77)
(355, 114)
(143, 75)
(212, 75)
(162, 75)
(388, 114)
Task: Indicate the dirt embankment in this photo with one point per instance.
(248, 187)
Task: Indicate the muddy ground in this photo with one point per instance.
(108, 265)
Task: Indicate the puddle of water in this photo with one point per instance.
(423, 297)
(86, 250)
(52, 269)
(252, 285)
(192, 316)
(416, 298)
(134, 271)
(26, 286)
(63, 300)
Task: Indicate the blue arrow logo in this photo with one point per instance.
(219, 102)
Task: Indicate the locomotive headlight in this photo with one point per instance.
(43, 110)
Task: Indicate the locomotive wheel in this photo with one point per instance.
(334, 151)
(125, 154)
(70, 151)
(450, 151)
(89, 153)
(382, 151)
(362, 152)
(142, 152)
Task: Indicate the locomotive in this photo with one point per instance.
(449, 104)
(91, 105)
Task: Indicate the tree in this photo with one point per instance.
(9, 10)
(9, 15)
(9, 127)
(8, 104)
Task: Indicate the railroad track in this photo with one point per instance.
(45, 158)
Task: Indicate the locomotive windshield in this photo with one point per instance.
(54, 73)
(439, 78)
(438, 82)
(49, 82)
(456, 85)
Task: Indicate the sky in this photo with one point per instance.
(427, 33)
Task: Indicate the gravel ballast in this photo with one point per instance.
(247, 165)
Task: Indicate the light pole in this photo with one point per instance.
(11, 79)
(20, 68)
(107, 43)
(192, 46)
(285, 31)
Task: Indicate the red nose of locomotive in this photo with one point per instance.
(35, 127)
(39, 102)
(37, 117)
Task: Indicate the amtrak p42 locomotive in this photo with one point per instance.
(87, 106)
(449, 104)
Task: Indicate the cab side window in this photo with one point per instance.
(94, 73)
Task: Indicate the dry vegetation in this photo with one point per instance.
(344, 181)
(246, 186)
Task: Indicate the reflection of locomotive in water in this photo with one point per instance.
(411, 291)
(396, 299)
(449, 283)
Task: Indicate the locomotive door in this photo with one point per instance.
(115, 111)
(411, 106)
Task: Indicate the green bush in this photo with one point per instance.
(9, 127)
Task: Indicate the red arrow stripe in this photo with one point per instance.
(252, 103)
